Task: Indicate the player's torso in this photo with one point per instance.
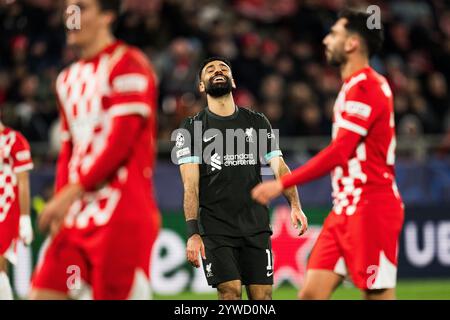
(84, 92)
(8, 179)
(229, 148)
(229, 169)
(369, 174)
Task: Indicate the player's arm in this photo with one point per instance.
(190, 175)
(353, 127)
(22, 164)
(128, 104)
(336, 154)
(65, 153)
(25, 228)
(124, 133)
(280, 168)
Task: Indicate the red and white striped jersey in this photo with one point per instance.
(15, 157)
(117, 82)
(365, 106)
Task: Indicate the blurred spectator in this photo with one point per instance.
(276, 51)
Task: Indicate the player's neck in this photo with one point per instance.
(223, 106)
(103, 40)
(2, 127)
(353, 65)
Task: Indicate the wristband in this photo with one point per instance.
(192, 227)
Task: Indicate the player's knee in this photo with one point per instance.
(3, 264)
(42, 294)
(379, 294)
(264, 294)
(310, 294)
(229, 292)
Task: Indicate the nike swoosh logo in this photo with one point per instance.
(269, 273)
(209, 139)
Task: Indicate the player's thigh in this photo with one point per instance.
(63, 270)
(256, 260)
(221, 264)
(319, 284)
(371, 254)
(230, 290)
(326, 266)
(380, 294)
(47, 294)
(121, 262)
(3, 264)
(259, 292)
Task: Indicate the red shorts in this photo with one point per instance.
(363, 245)
(113, 260)
(9, 233)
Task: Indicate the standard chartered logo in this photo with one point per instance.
(242, 159)
(215, 162)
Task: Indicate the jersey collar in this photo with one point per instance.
(216, 116)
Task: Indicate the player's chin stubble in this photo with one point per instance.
(217, 90)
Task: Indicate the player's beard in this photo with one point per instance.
(218, 89)
(336, 58)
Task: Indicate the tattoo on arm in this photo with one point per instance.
(190, 176)
(280, 169)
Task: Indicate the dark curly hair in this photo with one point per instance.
(357, 23)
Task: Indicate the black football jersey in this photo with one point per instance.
(230, 151)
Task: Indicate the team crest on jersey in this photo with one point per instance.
(208, 270)
(249, 135)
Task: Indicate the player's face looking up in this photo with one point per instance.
(216, 79)
(94, 21)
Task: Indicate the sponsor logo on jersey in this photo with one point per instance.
(205, 139)
(179, 140)
(183, 152)
(242, 159)
(215, 162)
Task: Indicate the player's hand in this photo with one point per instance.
(266, 191)
(297, 215)
(57, 208)
(25, 229)
(193, 248)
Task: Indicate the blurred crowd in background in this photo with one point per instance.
(276, 51)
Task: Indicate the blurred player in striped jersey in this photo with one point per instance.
(103, 218)
(360, 236)
(15, 163)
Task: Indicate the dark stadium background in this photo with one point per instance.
(278, 63)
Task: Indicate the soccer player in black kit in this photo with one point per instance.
(219, 152)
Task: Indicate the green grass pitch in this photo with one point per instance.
(406, 290)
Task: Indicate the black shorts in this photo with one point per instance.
(248, 259)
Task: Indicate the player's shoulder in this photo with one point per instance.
(199, 116)
(130, 57)
(63, 74)
(367, 82)
(17, 136)
(250, 113)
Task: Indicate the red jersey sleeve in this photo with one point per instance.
(132, 86)
(360, 108)
(65, 153)
(338, 152)
(21, 154)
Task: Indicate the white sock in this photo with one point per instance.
(5, 287)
